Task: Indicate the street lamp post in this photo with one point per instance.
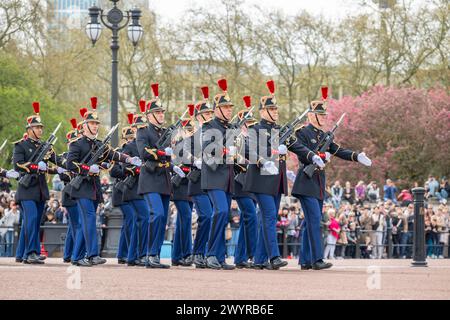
(115, 20)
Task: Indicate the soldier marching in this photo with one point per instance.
(202, 162)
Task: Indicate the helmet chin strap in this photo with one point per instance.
(270, 115)
(224, 118)
(90, 131)
(34, 134)
(158, 123)
(317, 119)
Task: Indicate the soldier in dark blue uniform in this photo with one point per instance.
(89, 195)
(119, 173)
(182, 241)
(311, 191)
(155, 181)
(74, 226)
(203, 114)
(267, 180)
(32, 199)
(217, 176)
(137, 250)
(246, 245)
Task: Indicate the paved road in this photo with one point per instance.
(349, 279)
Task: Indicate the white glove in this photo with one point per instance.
(232, 151)
(135, 161)
(12, 174)
(270, 167)
(327, 156)
(42, 166)
(291, 175)
(318, 161)
(364, 160)
(178, 171)
(94, 169)
(198, 164)
(282, 149)
(60, 170)
(168, 151)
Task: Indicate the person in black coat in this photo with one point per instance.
(311, 191)
(182, 242)
(203, 114)
(248, 229)
(32, 198)
(266, 178)
(217, 176)
(155, 179)
(89, 195)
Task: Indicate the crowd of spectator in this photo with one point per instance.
(358, 221)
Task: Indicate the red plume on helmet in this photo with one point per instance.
(130, 118)
(184, 123)
(247, 101)
(324, 93)
(191, 108)
(205, 92)
(198, 106)
(94, 101)
(36, 107)
(73, 122)
(271, 86)
(223, 84)
(142, 106)
(155, 89)
(83, 112)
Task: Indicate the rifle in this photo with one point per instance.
(323, 146)
(240, 123)
(164, 141)
(78, 180)
(39, 155)
(287, 130)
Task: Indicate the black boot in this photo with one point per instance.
(82, 263)
(213, 263)
(199, 261)
(321, 265)
(97, 260)
(277, 263)
(33, 259)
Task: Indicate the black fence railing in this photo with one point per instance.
(368, 244)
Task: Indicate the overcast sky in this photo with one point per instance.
(336, 9)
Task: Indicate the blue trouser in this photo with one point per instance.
(182, 243)
(221, 202)
(267, 243)
(68, 243)
(29, 235)
(72, 229)
(405, 239)
(139, 230)
(246, 245)
(312, 243)
(87, 209)
(204, 211)
(125, 231)
(159, 208)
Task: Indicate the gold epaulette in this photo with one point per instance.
(76, 139)
(300, 127)
(18, 141)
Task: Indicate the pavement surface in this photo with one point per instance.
(348, 279)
